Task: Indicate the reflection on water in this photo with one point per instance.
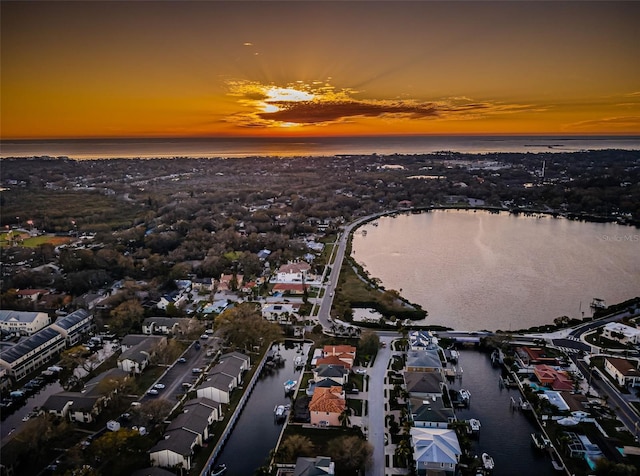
(257, 431)
(477, 270)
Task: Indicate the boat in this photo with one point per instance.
(298, 361)
(218, 470)
(465, 394)
(289, 385)
(540, 441)
(487, 461)
(279, 411)
(474, 425)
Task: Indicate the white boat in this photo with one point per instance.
(298, 361)
(218, 470)
(289, 385)
(279, 411)
(487, 461)
(465, 394)
(474, 424)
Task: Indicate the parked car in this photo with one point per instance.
(182, 360)
(159, 386)
(196, 371)
(153, 391)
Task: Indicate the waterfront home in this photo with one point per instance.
(326, 405)
(621, 332)
(435, 450)
(431, 413)
(318, 466)
(422, 340)
(624, 371)
(550, 377)
(535, 355)
(424, 361)
(218, 388)
(196, 418)
(424, 384)
(336, 372)
(243, 360)
(174, 449)
(346, 353)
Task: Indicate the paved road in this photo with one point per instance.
(622, 409)
(324, 313)
(376, 404)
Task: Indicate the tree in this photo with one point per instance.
(403, 452)
(126, 317)
(243, 326)
(156, 410)
(350, 453)
(345, 417)
(295, 446)
(369, 343)
(112, 443)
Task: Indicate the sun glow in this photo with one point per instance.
(275, 94)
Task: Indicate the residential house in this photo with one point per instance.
(346, 353)
(552, 378)
(216, 307)
(435, 451)
(229, 282)
(203, 285)
(75, 406)
(196, 419)
(289, 288)
(424, 384)
(422, 340)
(217, 387)
(31, 294)
(280, 312)
(243, 360)
(22, 322)
(621, 332)
(624, 371)
(176, 298)
(424, 361)
(298, 272)
(106, 384)
(318, 466)
(135, 359)
(535, 355)
(331, 371)
(326, 405)
(175, 449)
(431, 412)
(162, 325)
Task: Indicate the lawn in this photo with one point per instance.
(36, 241)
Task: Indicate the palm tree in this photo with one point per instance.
(345, 417)
(403, 452)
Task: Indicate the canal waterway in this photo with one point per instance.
(505, 433)
(256, 432)
(475, 270)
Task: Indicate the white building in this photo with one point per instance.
(294, 273)
(613, 330)
(435, 450)
(624, 371)
(23, 323)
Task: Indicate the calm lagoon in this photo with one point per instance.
(474, 270)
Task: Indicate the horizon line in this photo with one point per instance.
(316, 137)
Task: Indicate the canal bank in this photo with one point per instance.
(253, 431)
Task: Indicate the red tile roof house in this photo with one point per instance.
(550, 377)
(624, 371)
(291, 288)
(326, 405)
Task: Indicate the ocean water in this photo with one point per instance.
(295, 147)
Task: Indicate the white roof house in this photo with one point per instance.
(435, 449)
(613, 330)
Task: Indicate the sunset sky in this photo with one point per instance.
(318, 68)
